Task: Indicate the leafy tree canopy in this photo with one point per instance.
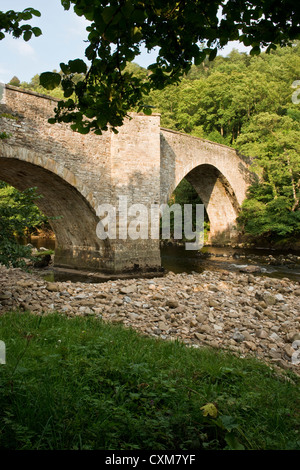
(183, 32)
(10, 22)
(18, 215)
(272, 207)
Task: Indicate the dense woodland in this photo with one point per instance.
(250, 103)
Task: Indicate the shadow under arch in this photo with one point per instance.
(75, 219)
(219, 199)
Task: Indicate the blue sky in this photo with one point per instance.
(63, 39)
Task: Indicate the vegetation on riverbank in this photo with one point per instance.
(19, 216)
(83, 384)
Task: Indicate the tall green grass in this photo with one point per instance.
(81, 383)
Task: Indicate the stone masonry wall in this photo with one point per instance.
(219, 175)
(77, 173)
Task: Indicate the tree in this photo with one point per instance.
(15, 81)
(184, 33)
(10, 22)
(18, 215)
(272, 208)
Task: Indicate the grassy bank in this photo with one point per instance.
(82, 384)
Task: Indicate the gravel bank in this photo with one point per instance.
(236, 311)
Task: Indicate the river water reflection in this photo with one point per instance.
(178, 260)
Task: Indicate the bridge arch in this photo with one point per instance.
(72, 213)
(217, 172)
(219, 200)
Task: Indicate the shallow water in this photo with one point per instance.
(178, 260)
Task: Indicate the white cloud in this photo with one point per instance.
(22, 48)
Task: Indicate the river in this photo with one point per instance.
(272, 263)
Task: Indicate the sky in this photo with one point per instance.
(62, 39)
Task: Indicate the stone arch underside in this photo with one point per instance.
(72, 217)
(219, 200)
(218, 173)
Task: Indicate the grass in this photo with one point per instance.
(40, 254)
(80, 383)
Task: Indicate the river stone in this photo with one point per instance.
(204, 329)
(23, 283)
(199, 336)
(247, 336)
(101, 295)
(171, 303)
(279, 298)
(238, 337)
(218, 327)
(52, 287)
(250, 345)
(250, 269)
(201, 317)
(289, 351)
(262, 334)
(275, 337)
(162, 326)
(179, 309)
(6, 296)
(213, 303)
(128, 290)
(293, 336)
(89, 311)
(269, 299)
(133, 316)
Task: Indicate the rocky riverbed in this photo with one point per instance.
(249, 315)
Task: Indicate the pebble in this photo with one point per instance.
(232, 310)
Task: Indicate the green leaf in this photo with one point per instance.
(80, 128)
(108, 13)
(138, 16)
(65, 68)
(255, 50)
(68, 92)
(209, 410)
(33, 12)
(50, 80)
(66, 4)
(27, 35)
(37, 31)
(228, 422)
(233, 442)
(147, 111)
(213, 54)
(77, 66)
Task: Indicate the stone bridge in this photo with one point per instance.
(76, 173)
